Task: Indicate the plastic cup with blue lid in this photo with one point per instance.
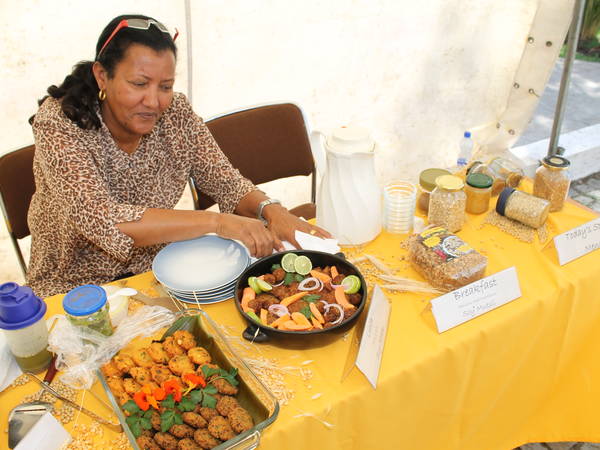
(22, 321)
(87, 306)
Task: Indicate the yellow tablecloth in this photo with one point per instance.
(525, 372)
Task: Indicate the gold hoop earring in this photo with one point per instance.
(102, 94)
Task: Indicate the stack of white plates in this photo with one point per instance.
(202, 270)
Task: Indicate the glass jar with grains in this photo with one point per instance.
(523, 207)
(503, 171)
(479, 192)
(87, 306)
(552, 181)
(426, 185)
(447, 203)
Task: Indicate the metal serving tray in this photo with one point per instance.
(253, 394)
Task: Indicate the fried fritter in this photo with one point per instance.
(354, 299)
(181, 431)
(188, 444)
(199, 355)
(240, 420)
(131, 386)
(224, 386)
(147, 443)
(171, 347)
(141, 374)
(279, 274)
(116, 385)
(207, 413)
(181, 364)
(204, 439)
(157, 353)
(123, 398)
(110, 369)
(166, 441)
(124, 363)
(194, 419)
(184, 339)
(142, 358)
(160, 373)
(155, 420)
(226, 404)
(220, 428)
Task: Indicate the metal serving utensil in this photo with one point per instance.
(22, 418)
(113, 426)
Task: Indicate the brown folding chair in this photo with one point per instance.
(17, 186)
(264, 143)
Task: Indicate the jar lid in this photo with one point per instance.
(84, 300)
(474, 166)
(449, 182)
(502, 199)
(480, 180)
(556, 162)
(350, 139)
(19, 307)
(427, 177)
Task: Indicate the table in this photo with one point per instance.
(524, 372)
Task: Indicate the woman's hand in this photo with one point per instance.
(258, 239)
(284, 224)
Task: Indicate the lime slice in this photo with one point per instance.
(351, 284)
(302, 265)
(253, 282)
(263, 285)
(287, 262)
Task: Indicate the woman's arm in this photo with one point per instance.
(165, 225)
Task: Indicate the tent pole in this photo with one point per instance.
(188, 34)
(566, 75)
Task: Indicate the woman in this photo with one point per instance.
(114, 149)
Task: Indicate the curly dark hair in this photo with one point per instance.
(79, 90)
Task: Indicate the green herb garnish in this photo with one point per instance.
(311, 298)
(274, 267)
(288, 279)
(306, 311)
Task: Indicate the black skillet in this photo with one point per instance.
(261, 333)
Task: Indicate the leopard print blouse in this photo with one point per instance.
(85, 185)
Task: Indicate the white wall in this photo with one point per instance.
(417, 73)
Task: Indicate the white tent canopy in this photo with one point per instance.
(416, 73)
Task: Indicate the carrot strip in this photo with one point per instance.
(321, 276)
(290, 325)
(334, 272)
(280, 320)
(292, 298)
(263, 316)
(340, 298)
(316, 323)
(247, 295)
(315, 312)
(300, 319)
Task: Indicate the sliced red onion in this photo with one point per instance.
(339, 308)
(335, 286)
(324, 302)
(304, 284)
(278, 284)
(278, 309)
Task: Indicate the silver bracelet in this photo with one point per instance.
(261, 206)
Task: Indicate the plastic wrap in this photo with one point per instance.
(444, 259)
(81, 351)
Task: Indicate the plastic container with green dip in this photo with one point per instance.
(427, 185)
(479, 192)
(86, 306)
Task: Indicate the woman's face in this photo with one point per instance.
(139, 92)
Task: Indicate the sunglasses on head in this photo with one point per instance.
(138, 24)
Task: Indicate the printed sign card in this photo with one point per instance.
(370, 351)
(578, 241)
(475, 299)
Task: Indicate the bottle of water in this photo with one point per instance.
(465, 152)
